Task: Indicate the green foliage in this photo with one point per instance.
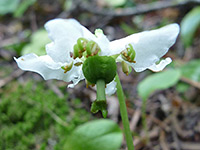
(191, 70)
(158, 81)
(115, 3)
(23, 7)
(27, 117)
(18, 7)
(8, 6)
(95, 135)
(189, 25)
(37, 45)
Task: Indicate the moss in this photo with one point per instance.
(24, 119)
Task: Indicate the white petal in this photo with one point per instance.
(149, 46)
(161, 65)
(100, 39)
(46, 67)
(76, 79)
(64, 34)
(111, 88)
(103, 43)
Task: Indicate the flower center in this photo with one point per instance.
(83, 48)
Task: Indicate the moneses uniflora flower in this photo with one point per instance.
(72, 44)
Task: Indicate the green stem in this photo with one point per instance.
(100, 102)
(124, 115)
(101, 90)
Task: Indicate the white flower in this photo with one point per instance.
(149, 46)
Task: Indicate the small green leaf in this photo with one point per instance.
(189, 25)
(100, 134)
(8, 6)
(158, 81)
(37, 45)
(115, 3)
(191, 70)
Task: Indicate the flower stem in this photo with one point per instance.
(101, 90)
(124, 115)
(100, 102)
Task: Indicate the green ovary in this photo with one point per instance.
(99, 67)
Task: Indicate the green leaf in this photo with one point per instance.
(37, 45)
(158, 81)
(23, 6)
(115, 3)
(189, 25)
(8, 6)
(191, 70)
(101, 134)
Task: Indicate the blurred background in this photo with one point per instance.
(163, 108)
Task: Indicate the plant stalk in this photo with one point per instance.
(101, 90)
(124, 115)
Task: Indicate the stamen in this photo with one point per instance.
(129, 54)
(76, 51)
(88, 48)
(82, 44)
(92, 48)
(125, 68)
(78, 64)
(67, 67)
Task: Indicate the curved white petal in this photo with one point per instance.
(149, 46)
(111, 88)
(161, 65)
(64, 34)
(46, 67)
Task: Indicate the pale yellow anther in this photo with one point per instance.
(78, 64)
(67, 67)
(125, 68)
(129, 54)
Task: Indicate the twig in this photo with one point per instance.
(187, 145)
(160, 123)
(191, 82)
(182, 133)
(162, 139)
(140, 142)
(135, 118)
(140, 9)
(14, 75)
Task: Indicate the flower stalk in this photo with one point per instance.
(100, 102)
(124, 115)
(101, 95)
